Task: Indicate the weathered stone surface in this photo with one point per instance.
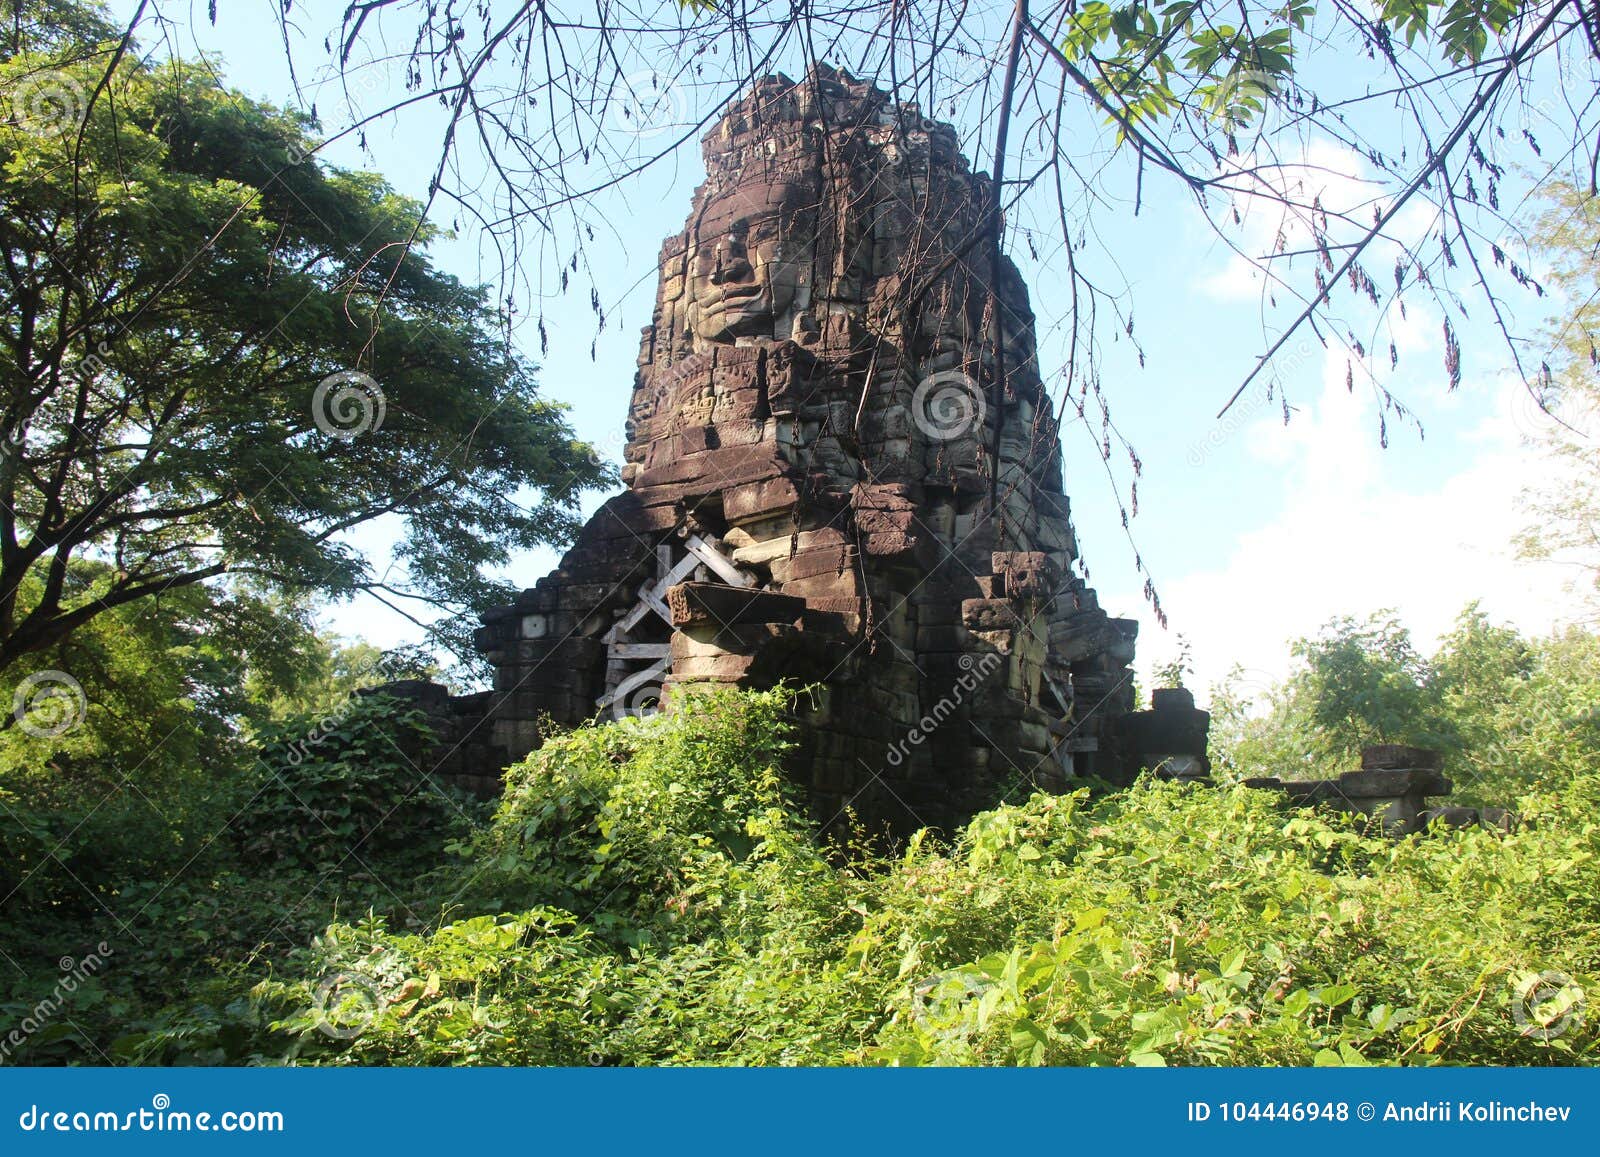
(1170, 738)
(717, 604)
(988, 614)
(1083, 636)
(759, 499)
(827, 482)
(1395, 797)
(1382, 756)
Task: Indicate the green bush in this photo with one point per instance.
(351, 785)
(1198, 926)
(334, 814)
(687, 918)
(649, 893)
(1509, 714)
(619, 816)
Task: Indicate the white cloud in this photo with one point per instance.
(1321, 172)
(1351, 192)
(1350, 539)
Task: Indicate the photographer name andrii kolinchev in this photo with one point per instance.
(1475, 1112)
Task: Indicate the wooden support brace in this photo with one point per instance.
(717, 562)
(653, 673)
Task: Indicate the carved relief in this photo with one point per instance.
(818, 424)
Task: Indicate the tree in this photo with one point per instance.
(1356, 682)
(334, 672)
(1078, 114)
(1481, 666)
(196, 384)
(1365, 683)
(1510, 714)
(149, 694)
(1074, 110)
(1563, 409)
(1261, 730)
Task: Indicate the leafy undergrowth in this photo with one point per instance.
(116, 905)
(648, 895)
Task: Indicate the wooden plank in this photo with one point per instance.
(719, 564)
(639, 650)
(632, 683)
(1061, 692)
(654, 601)
(649, 601)
(676, 575)
(631, 619)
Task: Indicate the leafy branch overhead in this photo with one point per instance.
(1157, 59)
(1150, 63)
(1454, 112)
(184, 276)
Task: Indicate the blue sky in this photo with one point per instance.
(1254, 531)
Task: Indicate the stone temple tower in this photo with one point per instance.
(842, 469)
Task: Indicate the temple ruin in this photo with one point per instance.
(843, 472)
(842, 469)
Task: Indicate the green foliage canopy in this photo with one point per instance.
(1510, 714)
(181, 286)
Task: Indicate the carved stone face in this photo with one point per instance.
(743, 267)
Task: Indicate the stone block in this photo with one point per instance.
(989, 614)
(719, 605)
(754, 500)
(777, 412)
(830, 585)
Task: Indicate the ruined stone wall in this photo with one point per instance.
(828, 481)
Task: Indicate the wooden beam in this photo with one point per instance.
(639, 650)
(718, 562)
(658, 591)
(653, 673)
